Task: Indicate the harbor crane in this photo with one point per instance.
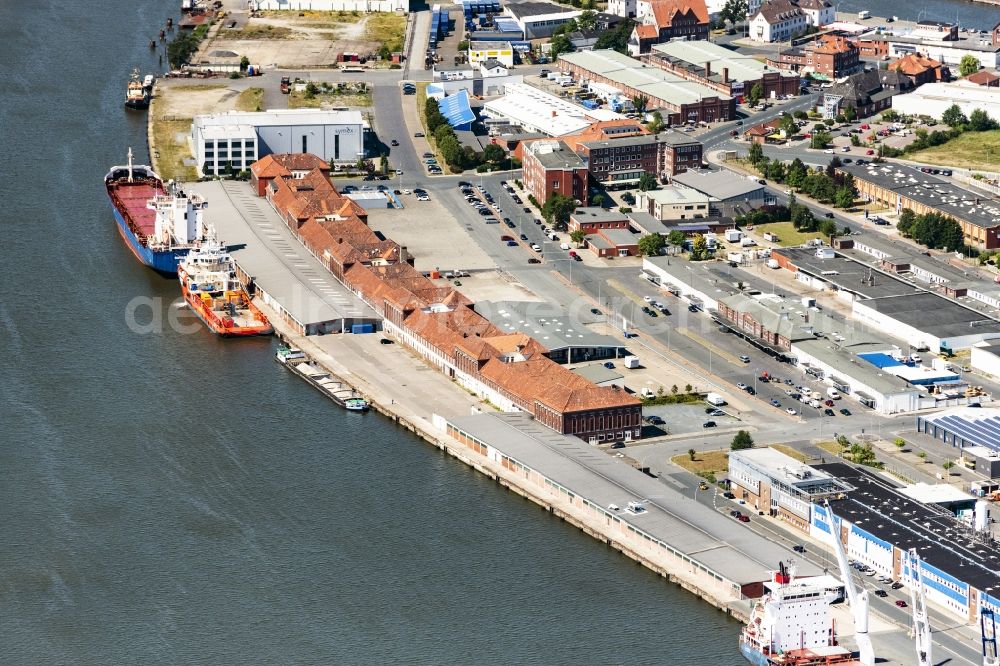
(988, 625)
(918, 601)
(857, 599)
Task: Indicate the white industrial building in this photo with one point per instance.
(933, 99)
(538, 111)
(779, 485)
(236, 139)
(538, 20)
(986, 359)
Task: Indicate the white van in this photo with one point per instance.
(564, 246)
(833, 394)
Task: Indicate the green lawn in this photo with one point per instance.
(972, 150)
(787, 235)
(250, 100)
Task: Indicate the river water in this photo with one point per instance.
(968, 14)
(177, 499)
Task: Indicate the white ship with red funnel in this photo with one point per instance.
(791, 625)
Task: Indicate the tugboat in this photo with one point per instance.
(137, 96)
(210, 286)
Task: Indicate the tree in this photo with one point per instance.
(560, 44)
(598, 200)
(899, 442)
(655, 126)
(741, 441)
(828, 228)
(244, 64)
(586, 20)
(953, 116)
(647, 181)
(829, 122)
(947, 465)
(639, 103)
(383, 165)
(676, 238)
(756, 154)
(844, 198)
(578, 236)
(462, 46)
(796, 173)
(433, 114)
(734, 11)
(451, 151)
(980, 121)
(616, 39)
(800, 115)
(907, 218)
(776, 171)
(969, 64)
(699, 248)
(819, 140)
(691, 454)
(788, 125)
(890, 116)
(756, 92)
(688, 388)
(557, 209)
(494, 154)
(674, 389)
(922, 455)
(850, 113)
(651, 244)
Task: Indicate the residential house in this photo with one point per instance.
(829, 57)
(818, 12)
(777, 21)
(661, 21)
(286, 165)
(984, 77)
(868, 92)
(492, 67)
(920, 69)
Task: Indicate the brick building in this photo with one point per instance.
(614, 243)
(439, 324)
(618, 152)
(286, 165)
(920, 69)
(721, 69)
(591, 220)
(550, 167)
(898, 186)
(659, 21)
(830, 56)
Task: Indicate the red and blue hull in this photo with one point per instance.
(164, 261)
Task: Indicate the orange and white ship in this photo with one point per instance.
(212, 289)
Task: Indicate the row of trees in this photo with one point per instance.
(182, 47)
(826, 187)
(958, 124)
(934, 230)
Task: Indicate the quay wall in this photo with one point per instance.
(630, 545)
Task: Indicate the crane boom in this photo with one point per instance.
(918, 601)
(857, 599)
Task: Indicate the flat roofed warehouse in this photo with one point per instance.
(680, 99)
(707, 541)
(899, 186)
(564, 337)
(882, 510)
(733, 71)
(964, 427)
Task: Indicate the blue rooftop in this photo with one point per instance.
(456, 110)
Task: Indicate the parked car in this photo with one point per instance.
(751, 390)
(418, 135)
(896, 586)
(385, 341)
(534, 260)
(845, 411)
(869, 152)
(900, 603)
(828, 412)
(655, 420)
(799, 549)
(741, 386)
(708, 424)
(618, 445)
(881, 593)
(609, 365)
(744, 358)
(790, 411)
(394, 143)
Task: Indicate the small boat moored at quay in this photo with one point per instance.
(327, 384)
(137, 93)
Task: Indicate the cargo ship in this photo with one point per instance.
(791, 625)
(158, 225)
(138, 93)
(210, 286)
